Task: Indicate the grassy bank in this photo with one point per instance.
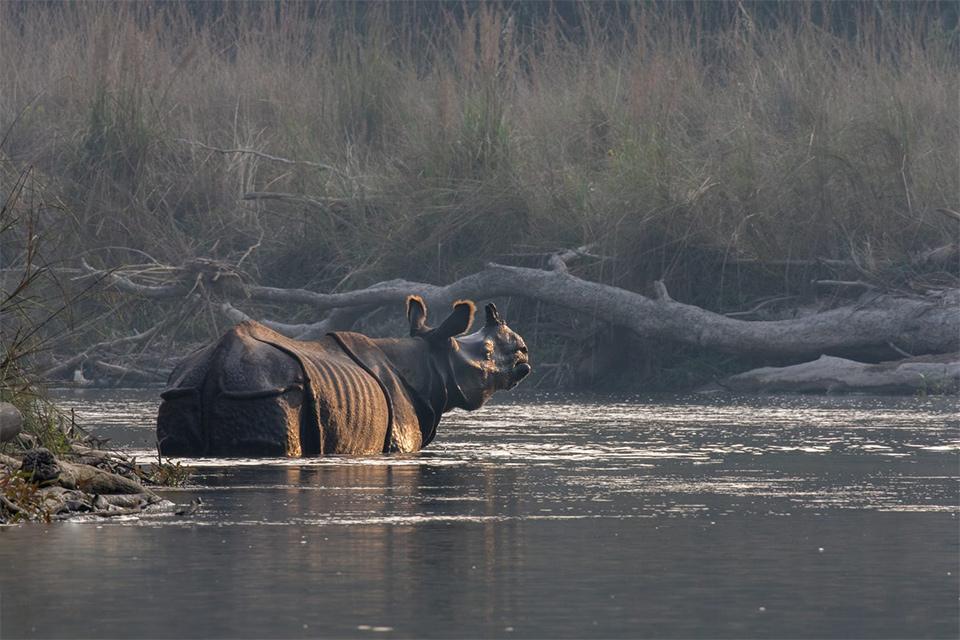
(678, 147)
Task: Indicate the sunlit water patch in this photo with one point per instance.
(544, 516)
(810, 452)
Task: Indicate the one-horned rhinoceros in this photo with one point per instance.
(257, 393)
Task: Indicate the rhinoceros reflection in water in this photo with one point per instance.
(258, 393)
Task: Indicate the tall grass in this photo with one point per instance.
(672, 145)
(32, 303)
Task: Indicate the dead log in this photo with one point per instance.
(918, 325)
(926, 374)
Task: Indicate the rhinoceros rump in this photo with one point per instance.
(258, 393)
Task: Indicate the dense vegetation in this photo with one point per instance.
(691, 143)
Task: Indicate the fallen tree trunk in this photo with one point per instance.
(926, 374)
(916, 325)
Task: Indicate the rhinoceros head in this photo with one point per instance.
(478, 364)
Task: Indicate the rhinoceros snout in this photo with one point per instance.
(519, 372)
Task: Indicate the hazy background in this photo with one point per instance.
(715, 146)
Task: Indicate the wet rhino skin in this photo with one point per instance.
(256, 392)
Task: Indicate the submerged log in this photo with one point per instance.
(925, 374)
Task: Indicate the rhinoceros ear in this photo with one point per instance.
(493, 316)
(416, 315)
(457, 322)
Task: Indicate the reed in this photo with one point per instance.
(424, 148)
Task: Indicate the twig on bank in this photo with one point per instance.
(558, 260)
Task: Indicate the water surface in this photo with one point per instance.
(547, 516)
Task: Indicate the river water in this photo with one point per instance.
(541, 516)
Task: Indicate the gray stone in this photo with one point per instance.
(11, 422)
(41, 465)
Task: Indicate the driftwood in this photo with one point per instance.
(913, 324)
(69, 365)
(927, 374)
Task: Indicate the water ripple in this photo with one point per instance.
(596, 457)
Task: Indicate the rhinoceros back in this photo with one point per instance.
(179, 420)
(238, 397)
(258, 393)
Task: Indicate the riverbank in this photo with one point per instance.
(693, 512)
(37, 486)
(79, 480)
(743, 162)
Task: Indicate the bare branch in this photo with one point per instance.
(69, 365)
(661, 290)
(845, 284)
(148, 291)
(259, 154)
(899, 350)
(318, 201)
(559, 261)
(950, 213)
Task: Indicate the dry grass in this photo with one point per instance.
(660, 139)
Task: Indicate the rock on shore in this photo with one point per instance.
(11, 422)
(39, 486)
